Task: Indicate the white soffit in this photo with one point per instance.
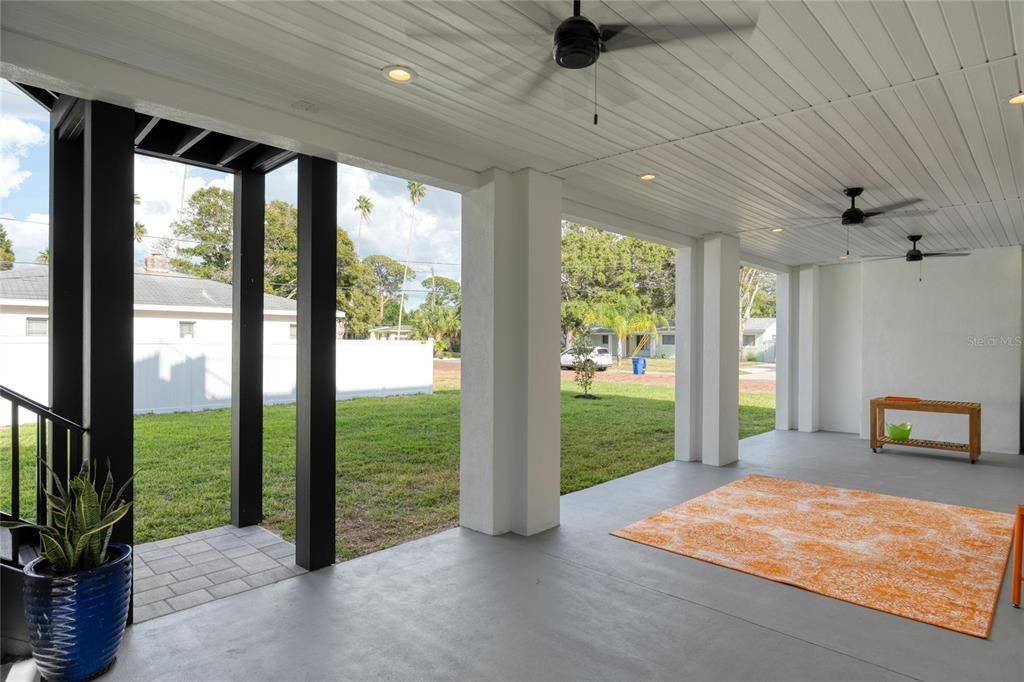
(745, 131)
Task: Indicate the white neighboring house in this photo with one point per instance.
(168, 307)
(759, 339)
(182, 330)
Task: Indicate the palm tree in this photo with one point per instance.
(364, 206)
(44, 256)
(417, 191)
(625, 315)
(140, 229)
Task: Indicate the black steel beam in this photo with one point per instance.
(314, 436)
(143, 129)
(191, 138)
(107, 279)
(65, 324)
(40, 96)
(247, 350)
(282, 158)
(234, 150)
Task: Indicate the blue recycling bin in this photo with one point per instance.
(639, 365)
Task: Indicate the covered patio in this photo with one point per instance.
(730, 135)
(576, 603)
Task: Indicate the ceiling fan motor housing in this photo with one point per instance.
(577, 43)
(853, 216)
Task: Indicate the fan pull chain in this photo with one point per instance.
(595, 93)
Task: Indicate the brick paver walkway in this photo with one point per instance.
(182, 572)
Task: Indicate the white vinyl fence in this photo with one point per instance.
(192, 376)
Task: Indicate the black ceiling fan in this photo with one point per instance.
(857, 216)
(916, 255)
(579, 42)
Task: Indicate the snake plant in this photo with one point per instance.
(81, 520)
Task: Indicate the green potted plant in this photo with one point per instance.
(76, 594)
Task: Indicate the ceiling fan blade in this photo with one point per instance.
(628, 36)
(945, 254)
(547, 70)
(911, 214)
(879, 210)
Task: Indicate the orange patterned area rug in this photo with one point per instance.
(935, 563)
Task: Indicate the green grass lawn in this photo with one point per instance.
(398, 460)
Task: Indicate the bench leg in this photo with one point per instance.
(975, 436)
(875, 445)
(1018, 549)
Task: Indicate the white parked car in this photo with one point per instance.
(600, 355)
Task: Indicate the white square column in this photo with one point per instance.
(809, 351)
(720, 351)
(787, 304)
(689, 344)
(509, 475)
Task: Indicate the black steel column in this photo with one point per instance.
(247, 350)
(314, 436)
(108, 274)
(65, 323)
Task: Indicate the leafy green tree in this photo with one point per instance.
(389, 279)
(442, 324)
(206, 221)
(598, 266)
(357, 290)
(577, 316)
(280, 249)
(43, 257)
(442, 291)
(6, 250)
(391, 315)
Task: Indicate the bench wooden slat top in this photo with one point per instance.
(928, 405)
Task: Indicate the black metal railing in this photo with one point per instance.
(64, 448)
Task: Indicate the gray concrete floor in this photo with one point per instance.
(576, 603)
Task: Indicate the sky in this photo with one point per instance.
(164, 187)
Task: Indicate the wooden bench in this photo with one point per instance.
(972, 410)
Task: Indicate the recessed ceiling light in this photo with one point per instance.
(1017, 99)
(399, 74)
(648, 176)
(778, 230)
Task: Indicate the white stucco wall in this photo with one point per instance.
(954, 336)
(841, 348)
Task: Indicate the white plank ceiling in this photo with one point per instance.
(747, 130)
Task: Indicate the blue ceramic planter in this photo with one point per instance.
(75, 620)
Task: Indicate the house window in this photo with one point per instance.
(36, 326)
(604, 339)
(186, 330)
(293, 331)
(668, 339)
(749, 339)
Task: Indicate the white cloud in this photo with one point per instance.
(13, 102)
(164, 188)
(29, 236)
(16, 136)
(437, 232)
